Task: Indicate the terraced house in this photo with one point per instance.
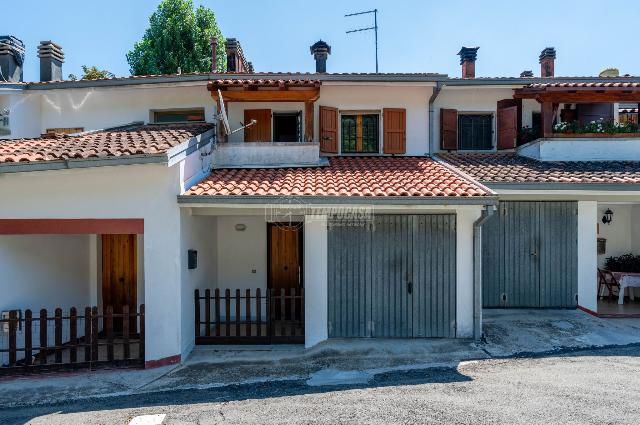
(141, 216)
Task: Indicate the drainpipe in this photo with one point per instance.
(434, 95)
(487, 212)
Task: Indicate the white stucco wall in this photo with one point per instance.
(315, 280)
(528, 107)
(137, 191)
(45, 271)
(242, 253)
(583, 149)
(33, 111)
(587, 255)
(478, 99)
(415, 99)
(618, 233)
(24, 114)
(464, 271)
(635, 229)
(199, 233)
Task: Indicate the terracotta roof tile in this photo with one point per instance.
(345, 176)
(511, 168)
(592, 84)
(240, 82)
(122, 141)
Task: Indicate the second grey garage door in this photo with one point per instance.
(529, 255)
(394, 277)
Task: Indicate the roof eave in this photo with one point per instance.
(20, 167)
(341, 200)
(631, 187)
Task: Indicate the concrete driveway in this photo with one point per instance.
(523, 332)
(509, 333)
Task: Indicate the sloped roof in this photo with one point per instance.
(130, 140)
(510, 167)
(344, 177)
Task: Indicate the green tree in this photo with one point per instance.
(178, 36)
(92, 73)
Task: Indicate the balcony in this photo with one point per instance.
(267, 154)
(584, 147)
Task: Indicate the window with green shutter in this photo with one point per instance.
(360, 133)
(475, 132)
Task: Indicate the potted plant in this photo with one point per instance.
(597, 128)
(629, 263)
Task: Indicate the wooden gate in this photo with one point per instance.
(71, 339)
(249, 316)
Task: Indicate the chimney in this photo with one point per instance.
(51, 59)
(214, 54)
(236, 62)
(468, 57)
(526, 74)
(547, 59)
(11, 58)
(320, 51)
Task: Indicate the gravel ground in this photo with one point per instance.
(596, 386)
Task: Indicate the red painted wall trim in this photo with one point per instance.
(588, 311)
(63, 226)
(150, 364)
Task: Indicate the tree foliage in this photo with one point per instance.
(178, 36)
(92, 73)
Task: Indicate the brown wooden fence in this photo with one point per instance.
(249, 317)
(70, 340)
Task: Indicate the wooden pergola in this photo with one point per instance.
(551, 95)
(270, 90)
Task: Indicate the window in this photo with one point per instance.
(360, 133)
(475, 132)
(287, 126)
(178, 115)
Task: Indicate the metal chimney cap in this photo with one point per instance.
(468, 54)
(319, 46)
(548, 52)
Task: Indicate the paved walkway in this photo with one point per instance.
(508, 333)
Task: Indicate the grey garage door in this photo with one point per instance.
(529, 255)
(393, 278)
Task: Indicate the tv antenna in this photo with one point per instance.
(222, 116)
(374, 28)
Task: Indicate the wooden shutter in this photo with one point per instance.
(507, 127)
(448, 129)
(328, 129)
(395, 130)
(261, 132)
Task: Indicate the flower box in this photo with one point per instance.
(595, 135)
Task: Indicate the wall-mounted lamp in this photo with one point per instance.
(241, 227)
(607, 217)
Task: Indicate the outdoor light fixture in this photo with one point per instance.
(607, 217)
(241, 227)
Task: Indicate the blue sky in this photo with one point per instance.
(414, 36)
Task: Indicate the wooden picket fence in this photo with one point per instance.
(249, 317)
(87, 340)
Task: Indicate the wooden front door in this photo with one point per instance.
(119, 276)
(285, 262)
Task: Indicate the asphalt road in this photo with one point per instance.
(598, 386)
